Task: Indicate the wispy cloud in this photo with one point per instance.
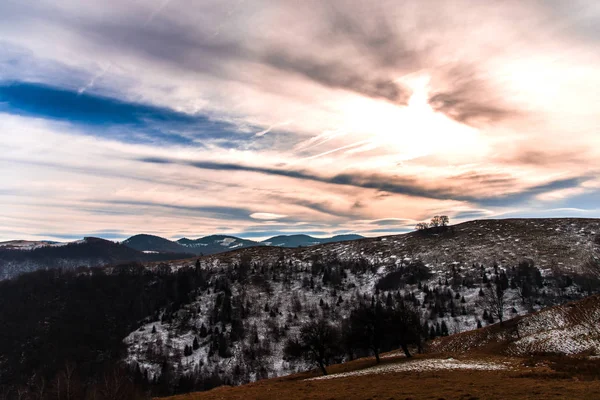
(331, 116)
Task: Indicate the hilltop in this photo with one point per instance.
(559, 243)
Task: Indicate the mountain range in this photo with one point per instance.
(19, 256)
(214, 244)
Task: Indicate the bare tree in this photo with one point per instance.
(421, 226)
(114, 384)
(439, 221)
(69, 380)
(21, 393)
(38, 387)
(319, 343)
(369, 327)
(445, 221)
(4, 393)
(405, 326)
(494, 301)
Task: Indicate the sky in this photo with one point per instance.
(265, 117)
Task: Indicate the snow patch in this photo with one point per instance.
(420, 366)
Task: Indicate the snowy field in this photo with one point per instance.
(421, 366)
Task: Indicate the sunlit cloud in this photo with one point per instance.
(266, 216)
(256, 118)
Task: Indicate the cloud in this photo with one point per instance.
(462, 92)
(337, 75)
(332, 114)
(402, 185)
(392, 222)
(218, 212)
(266, 216)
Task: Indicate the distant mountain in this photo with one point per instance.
(341, 238)
(27, 244)
(214, 244)
(151, 243)
(89, 252)
(306, 240)
(291, 241)
(18, 256)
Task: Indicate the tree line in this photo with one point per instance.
(372, 328)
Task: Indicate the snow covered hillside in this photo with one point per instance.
(233, 327)
(568, 329)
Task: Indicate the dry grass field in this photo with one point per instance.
(523, 378)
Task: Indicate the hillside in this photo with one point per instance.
(443, 274)
(569, 329)
(484, 364)
(492, 378)
(551, 243)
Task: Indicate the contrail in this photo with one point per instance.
(99, 75)
(94, 79)
(356, 144)
(270, 128)
(157, 11)
(319, 140)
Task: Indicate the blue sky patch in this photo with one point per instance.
(112, 118)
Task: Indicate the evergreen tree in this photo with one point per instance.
(444, 329)
(203, 331)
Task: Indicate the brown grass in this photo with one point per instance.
(534, 378)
